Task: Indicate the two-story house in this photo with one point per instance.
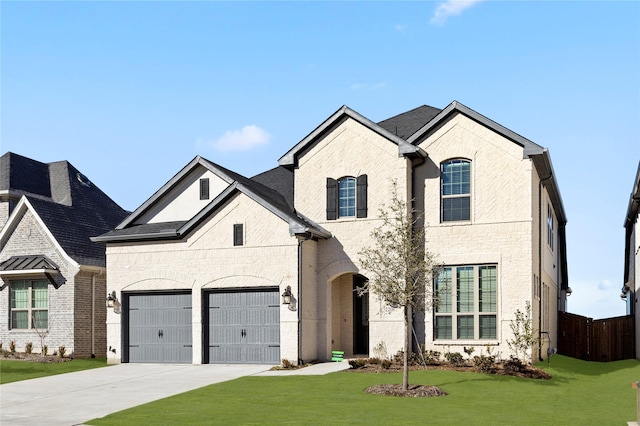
(632, 257)
(219, 268)
(52, 276)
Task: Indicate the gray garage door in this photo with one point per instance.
(244, 327)
(159, 328)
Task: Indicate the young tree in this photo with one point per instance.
(525, 336)
(399, 265)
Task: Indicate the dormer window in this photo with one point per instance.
(347, 197)
(204, 189)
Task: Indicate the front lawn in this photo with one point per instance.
(580, 393)
(14, 370)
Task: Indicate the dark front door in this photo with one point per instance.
(360, 318)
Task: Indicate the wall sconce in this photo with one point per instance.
(569, 291)
(113, 302)
(286, 296)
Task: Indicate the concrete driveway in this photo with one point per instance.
(73, 398)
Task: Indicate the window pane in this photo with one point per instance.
(458, 208)
(347, 197)
(20, 295)
(443, 291)
(456, 177)
(443, 327)
(40, 320)
(40, 295)
(465, 327)
(487, 326)
(19, 319)
(465, 289)
(487, 289)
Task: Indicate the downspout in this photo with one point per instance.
(540, 243)
(93, 313)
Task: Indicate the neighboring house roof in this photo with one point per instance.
(72, 208)
(266, 196)
(290, 159)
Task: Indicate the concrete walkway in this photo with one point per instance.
(73, 398)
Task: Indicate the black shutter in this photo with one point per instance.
(238, 234)
(332, 199)
(361, 196)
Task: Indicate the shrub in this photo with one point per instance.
(380, 350)
(357, 363)
(484, 363)
(431, 357)
(386, 364)
(29, 348)
(454, 358)
(45, 349)
(12, 346)
(375, 361)
(5, 353)
(61, 351)
(514, 365)
(287, 365)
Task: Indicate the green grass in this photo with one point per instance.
(13, 371)
(580, 393)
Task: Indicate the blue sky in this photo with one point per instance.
(129, 92)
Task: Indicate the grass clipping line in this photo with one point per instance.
(413, 391)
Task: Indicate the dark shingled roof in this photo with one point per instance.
(73, 209)
(280, 179)
(407, 123)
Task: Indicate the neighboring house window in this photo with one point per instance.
(347, 197)
(29, 304)
(456, 190)
(550, 226)
(465, 303)
(204, 189)
(238, 234)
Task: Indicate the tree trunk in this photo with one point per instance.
(407, 346)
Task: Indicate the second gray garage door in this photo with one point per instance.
(243, 327)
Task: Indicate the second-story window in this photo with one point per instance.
(456, 190)
(347, 197)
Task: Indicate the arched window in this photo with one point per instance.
(456, 190)
(346, 197)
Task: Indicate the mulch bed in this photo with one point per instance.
(413, 391)
(43, 359)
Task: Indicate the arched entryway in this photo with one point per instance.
(350, 315)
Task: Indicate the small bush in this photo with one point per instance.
(514, 365)
(431, 357)
(61, 351)
(5, 353)
(357, 363)
(454, 358)
(386, 364)
(375, 361)
(29, 348)
(45, 349)
(287, 365)
(12, 346)
(0, 345)
(484, 363)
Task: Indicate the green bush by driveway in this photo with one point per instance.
(580, 393)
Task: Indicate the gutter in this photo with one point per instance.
(540, 243)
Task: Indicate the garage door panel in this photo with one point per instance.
(160, 328)
(244, 326)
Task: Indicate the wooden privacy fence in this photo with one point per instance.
(609, 339)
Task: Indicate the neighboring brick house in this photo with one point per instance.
(52, 276)
(631, 287)
(206, 267)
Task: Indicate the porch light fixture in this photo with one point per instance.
(569, 291)
(113, 302)
(286, 296)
